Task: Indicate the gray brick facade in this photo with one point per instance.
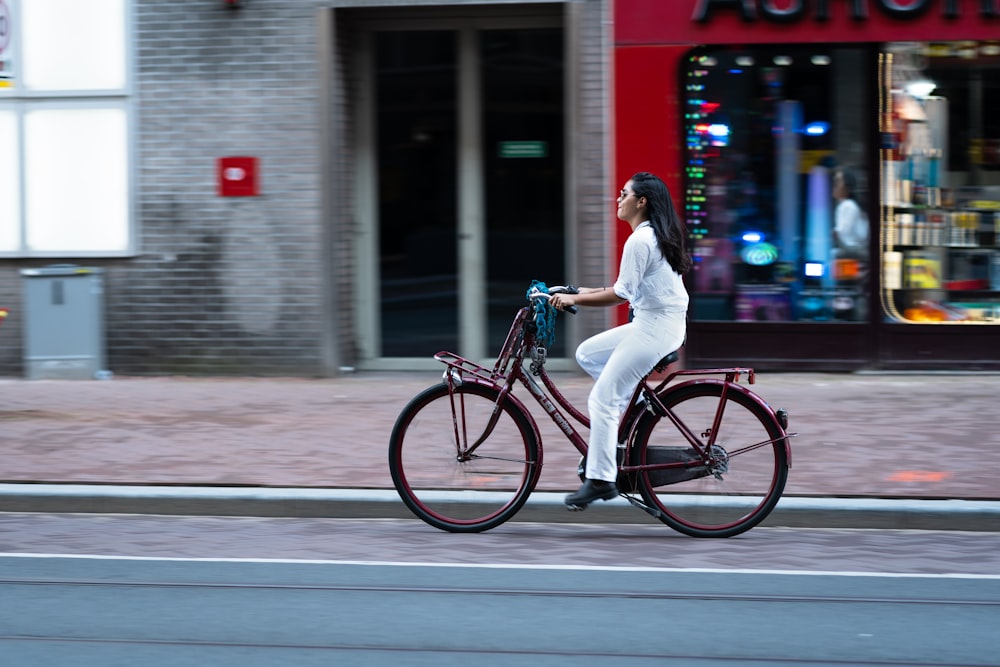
(262, 285)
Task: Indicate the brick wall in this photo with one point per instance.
(224, 285)
(595, 218)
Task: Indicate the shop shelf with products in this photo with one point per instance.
(942, 263)
(940, 228)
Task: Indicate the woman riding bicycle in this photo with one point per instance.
(653, 262)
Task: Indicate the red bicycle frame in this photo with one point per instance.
(509, 369)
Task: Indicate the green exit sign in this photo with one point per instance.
(523, 149)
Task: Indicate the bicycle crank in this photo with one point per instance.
(652, 511)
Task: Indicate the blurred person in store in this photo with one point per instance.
(850, 228)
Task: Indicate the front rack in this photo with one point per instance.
(464, 365)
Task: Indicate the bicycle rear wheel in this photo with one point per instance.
(749, 470)
(440, 480)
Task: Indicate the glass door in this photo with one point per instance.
(522, 75)
(416, 91)
(469, 184)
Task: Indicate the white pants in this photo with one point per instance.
(617, 359)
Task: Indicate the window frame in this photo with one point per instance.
(19, 100)
(932, 227)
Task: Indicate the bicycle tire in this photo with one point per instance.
(471, 495)
(709, 506)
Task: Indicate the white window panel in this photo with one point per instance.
(73, 45)
(76, 179)
(10, 183)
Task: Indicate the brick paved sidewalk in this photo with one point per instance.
(861, 435)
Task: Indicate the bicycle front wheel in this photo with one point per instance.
(749, 462)
(440, 473)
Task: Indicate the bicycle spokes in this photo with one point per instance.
(461, 459)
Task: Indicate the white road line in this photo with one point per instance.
(509, 566)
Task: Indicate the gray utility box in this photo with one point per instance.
(64, 323)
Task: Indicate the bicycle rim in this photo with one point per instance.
(455, 492)
(750, 478)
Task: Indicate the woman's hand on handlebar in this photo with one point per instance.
(563, 301)
(590, 296)
(563, 297)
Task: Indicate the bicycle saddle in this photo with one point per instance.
(662, 364)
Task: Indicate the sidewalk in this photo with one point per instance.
(884, 450)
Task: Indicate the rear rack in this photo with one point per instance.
(732, 375)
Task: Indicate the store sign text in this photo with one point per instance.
(790, 11)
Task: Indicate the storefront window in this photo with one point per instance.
(940, 205)
(775, 183)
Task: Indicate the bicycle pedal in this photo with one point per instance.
(576, 508)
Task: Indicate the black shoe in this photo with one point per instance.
(592, 489)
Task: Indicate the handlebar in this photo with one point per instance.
(558, 289)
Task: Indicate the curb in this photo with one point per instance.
(794, 512)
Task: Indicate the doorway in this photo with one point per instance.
(467, 185)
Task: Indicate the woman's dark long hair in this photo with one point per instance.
(667, 226)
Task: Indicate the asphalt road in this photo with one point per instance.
(107, 612)
(107, 590)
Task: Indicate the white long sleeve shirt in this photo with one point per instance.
(645, 279)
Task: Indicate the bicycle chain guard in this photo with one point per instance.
(627, 482)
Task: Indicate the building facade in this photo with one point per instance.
(307, 186)
(301, 187)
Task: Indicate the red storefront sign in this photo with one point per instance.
(800, 21)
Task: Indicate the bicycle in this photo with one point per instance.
(704, 455)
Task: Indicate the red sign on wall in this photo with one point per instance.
(641, 22)
(238, 177)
